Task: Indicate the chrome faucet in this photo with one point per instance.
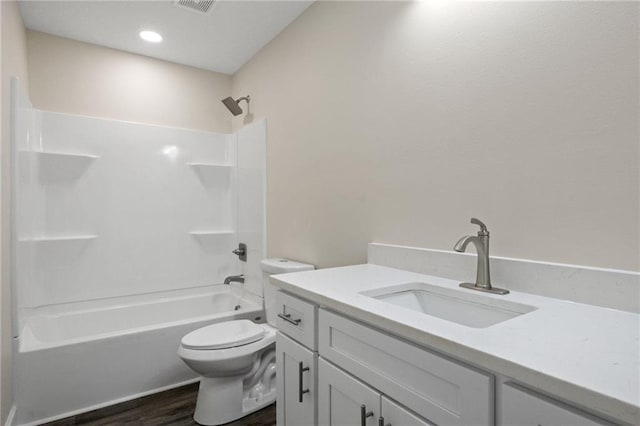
(481, 241)
(234, 279)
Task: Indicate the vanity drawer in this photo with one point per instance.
(296, 318)
(522, 407)
(440, 390)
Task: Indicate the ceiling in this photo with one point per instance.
(222, 41)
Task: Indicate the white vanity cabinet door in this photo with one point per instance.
(341, 397)
(396, 415)
(447, 393)
(296, 377)
(523, 408)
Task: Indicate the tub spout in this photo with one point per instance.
(234, 278)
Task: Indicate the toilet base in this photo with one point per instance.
(222, 400)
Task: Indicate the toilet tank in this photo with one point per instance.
(277, 266)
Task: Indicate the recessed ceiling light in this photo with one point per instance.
(150, 36)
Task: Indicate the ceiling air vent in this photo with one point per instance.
(199, 6)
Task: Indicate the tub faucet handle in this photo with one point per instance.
(241, 252)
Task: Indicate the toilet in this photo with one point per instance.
(237, 359)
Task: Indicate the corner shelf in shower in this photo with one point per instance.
(211, 173)
(61, 166)
(59, 239)
(61, 157)
(211, 233)
(210, 165)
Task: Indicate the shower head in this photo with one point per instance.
(233, 105)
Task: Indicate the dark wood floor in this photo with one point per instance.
(173, 407)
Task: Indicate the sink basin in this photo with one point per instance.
(472, 310)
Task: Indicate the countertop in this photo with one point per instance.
(584, 354)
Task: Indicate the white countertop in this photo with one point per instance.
(585, 354)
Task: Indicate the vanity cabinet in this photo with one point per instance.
(297, 319)
(296, 361)
(296, 378)
(396, 415)
(525, 408)
(360, 375)
(438, 389)
(344, 400)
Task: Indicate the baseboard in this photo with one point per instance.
(11, 416)
(98, 406)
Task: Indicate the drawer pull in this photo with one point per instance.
(287, 318)
(301, 391)
(381, 422)
(364, 414)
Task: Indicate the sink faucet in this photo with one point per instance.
(234, 279)
(481, 241)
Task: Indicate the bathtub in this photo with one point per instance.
(79, 357)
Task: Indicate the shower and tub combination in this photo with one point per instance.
(122, 237)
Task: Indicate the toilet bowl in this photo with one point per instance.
(236, 359)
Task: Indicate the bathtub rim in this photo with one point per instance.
(28, 342)
(138, 298)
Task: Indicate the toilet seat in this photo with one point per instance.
(216, 355)
(224, 335)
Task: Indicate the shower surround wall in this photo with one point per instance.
(117, 208)
(123, 235)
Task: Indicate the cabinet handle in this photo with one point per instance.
(301, 391)
(364, 414)
(381, 422)
(287, 318)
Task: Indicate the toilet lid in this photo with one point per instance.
(224, 335)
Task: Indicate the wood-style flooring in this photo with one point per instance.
(172, 407)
